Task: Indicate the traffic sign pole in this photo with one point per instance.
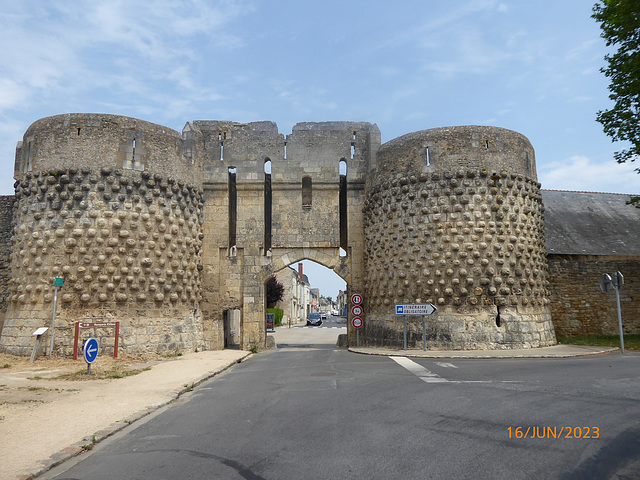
(56, 283)
(424, 334)
(618, 281)
(606, 282)
(404, 318)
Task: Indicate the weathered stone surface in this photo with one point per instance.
(165, 231)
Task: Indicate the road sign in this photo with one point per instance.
(605, 282)
(356, 310)
(58, 282)
(356, 322)
(356, 299)
(415, 309)
(90, 350)
(618, 279)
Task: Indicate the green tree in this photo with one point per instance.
(275, 291)
(620, 24)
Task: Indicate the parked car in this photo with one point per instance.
(323, 315)
(334, 313)
(314, 319)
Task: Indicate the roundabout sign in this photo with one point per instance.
(90, 352)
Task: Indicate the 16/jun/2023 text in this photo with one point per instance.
(554, 432)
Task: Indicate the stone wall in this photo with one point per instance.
(579, 307)
(6, 230)
(123, 232)
(453, 217)
(305, 225)
(166, 231)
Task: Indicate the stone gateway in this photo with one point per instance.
(173, 234)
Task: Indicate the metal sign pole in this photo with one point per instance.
(404, 318)
(357, 337)
(424, 334)
(53, 317)
(617, 285)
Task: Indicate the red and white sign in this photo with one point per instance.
(356, 322)
(356, 299)
(357, 310)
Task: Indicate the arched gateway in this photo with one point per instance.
(165, 232)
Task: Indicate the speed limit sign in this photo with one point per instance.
(356, 322)
(357, 310)
(356, 299)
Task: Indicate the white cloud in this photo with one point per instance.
(580, 173)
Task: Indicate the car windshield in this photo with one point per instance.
(314, 315)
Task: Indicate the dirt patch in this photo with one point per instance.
(25, 385)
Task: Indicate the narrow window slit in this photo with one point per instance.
(427, 157)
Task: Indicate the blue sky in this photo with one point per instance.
(406, 65)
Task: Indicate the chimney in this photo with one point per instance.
(300, 270)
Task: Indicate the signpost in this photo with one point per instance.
(606, 282)
(38, 334)
(56, 283)
(90, 352)
(356, 312)
(80, 325)
(271, 322)
(416, 309)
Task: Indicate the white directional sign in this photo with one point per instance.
(415, 309)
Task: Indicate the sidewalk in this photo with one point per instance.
(556, 351)
(73, 415)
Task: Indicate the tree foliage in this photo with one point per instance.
(620, 24)
(275, 291)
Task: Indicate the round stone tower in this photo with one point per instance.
(454, 217)
(112, 205)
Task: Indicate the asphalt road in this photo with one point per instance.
(310, 411)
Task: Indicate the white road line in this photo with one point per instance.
(446, 365)
(418, 370)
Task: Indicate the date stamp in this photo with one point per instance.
(554, 432)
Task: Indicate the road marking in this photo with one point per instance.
(418, 370)
(446, 365)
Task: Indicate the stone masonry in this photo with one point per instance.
(168, 232)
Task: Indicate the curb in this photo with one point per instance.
(564, 352)
(85, 445)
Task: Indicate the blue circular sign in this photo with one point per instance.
(90, 350)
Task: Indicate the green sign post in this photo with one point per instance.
(56, 283)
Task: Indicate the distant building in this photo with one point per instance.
(295, 302)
